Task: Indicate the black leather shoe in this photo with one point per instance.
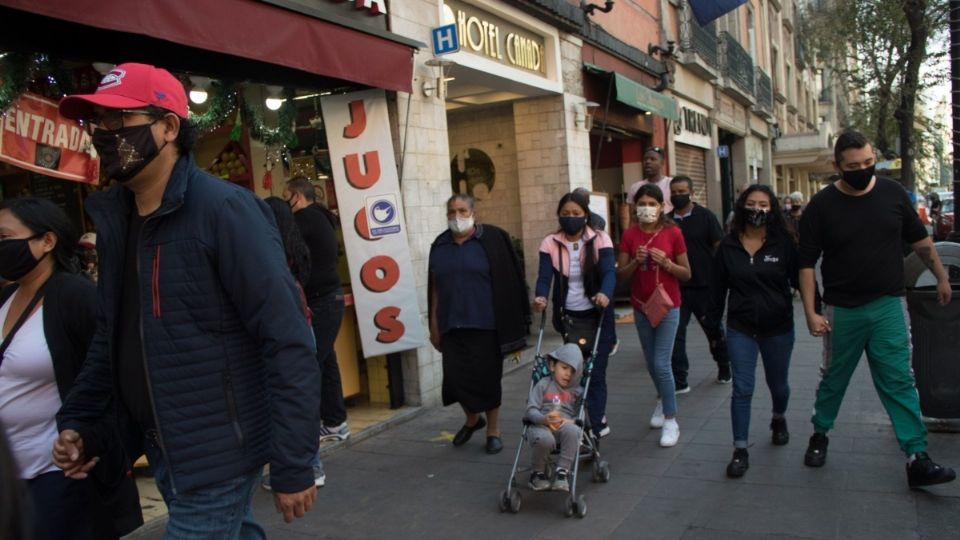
(466, 432)
(494, 445)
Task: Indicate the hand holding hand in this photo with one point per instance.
(68, 454)
(818, 325)
(294, 505)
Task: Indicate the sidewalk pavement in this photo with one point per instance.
(409, 482)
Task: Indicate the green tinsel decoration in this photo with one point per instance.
(237, 130)
(222, 102)
(283, 134)
(19, 70)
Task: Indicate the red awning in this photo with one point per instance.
(247, 29)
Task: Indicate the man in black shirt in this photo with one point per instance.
(858, 225)
(324, 294)
(702, 234)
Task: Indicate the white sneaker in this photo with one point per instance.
(656, 421)
(670, 433)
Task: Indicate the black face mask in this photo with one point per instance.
(16, 259)
(680, 201)
(755, 217)
(126, 151)
(572, 225)
(859, 180)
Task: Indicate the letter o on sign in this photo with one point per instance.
(380, 273)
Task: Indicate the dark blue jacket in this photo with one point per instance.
(230, 361)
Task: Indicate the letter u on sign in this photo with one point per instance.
(371, 164)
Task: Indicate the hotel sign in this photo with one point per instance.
(487, 35)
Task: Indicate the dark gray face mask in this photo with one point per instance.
(755, 217)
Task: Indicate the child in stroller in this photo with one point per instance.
(551, 410)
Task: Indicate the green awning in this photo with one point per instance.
(639, 96)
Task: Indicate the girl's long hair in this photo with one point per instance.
(777, 226)
(296, 250)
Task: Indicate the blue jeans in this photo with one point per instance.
(219, 511)
(657, 346)
(743, 349)
(597, 395)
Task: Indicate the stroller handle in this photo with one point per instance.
(543, 321)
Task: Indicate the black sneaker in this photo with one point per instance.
(816, 454)
(780, 434)
(922, 471)
(739, 464)
(682, 388)
(539, 481)
(723, 374)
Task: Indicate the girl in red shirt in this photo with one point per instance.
(653, 252)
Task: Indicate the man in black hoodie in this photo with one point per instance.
(324, 296)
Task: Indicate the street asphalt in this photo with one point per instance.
(409, 482)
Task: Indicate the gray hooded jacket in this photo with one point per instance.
(547, 396)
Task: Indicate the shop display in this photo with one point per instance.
(232, 164)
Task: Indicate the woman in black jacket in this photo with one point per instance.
(757, 264)
(48, 316)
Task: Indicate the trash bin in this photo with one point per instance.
(935, 332)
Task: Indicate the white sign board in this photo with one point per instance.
(600, 205)
(694, 126)
(374, 232)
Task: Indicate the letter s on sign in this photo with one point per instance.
(391, 329)
(370, 274)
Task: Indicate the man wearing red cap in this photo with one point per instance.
(200, 343)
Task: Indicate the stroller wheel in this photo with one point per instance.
(515, 501)
(504, 501)
(570, 507)
(581, 507)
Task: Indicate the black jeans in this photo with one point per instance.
(67, 509)
(327, 315)
(695, 301)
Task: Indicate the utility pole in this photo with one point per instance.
(955, 87)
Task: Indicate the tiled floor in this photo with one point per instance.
(360, 416)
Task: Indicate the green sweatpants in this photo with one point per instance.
(880, 327)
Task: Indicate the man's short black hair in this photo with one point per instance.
(682, 178)
(186, 137)
(848, 139)
(303, 186)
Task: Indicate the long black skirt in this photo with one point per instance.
(472, 369)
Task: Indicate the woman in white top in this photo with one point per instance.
(48, 316)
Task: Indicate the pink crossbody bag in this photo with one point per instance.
(656, 307)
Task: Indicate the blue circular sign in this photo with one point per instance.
(383, 212)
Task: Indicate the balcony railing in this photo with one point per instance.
(699, 40)
(704, 41)
(764, 90)
(737, 64)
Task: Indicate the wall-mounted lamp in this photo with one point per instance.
(273, 102)
(438, 85)
(198, 90)
(583, 114)
(588, 9)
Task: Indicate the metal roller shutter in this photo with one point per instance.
(691, 162)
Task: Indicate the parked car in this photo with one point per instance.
(943, 220)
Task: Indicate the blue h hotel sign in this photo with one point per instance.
(445, 40)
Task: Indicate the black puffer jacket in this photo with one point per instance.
(761, 299)
(230, 361)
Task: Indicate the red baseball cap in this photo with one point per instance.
(130, 86)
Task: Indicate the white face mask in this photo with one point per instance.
(648, 214)
(460, 225)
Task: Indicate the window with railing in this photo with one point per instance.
(737, 65)
(764, 91)
(701, 40)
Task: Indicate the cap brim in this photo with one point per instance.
(80, 107)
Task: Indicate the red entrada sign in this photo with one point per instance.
(35, 137)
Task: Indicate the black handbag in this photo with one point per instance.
(580, 331)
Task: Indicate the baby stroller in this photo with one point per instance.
(510, 498)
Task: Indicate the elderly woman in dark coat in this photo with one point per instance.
(478, 313)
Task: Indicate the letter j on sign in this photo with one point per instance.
(445, 40)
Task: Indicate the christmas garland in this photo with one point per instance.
(223, 102)
(18, 71)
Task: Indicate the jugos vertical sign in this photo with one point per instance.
(374, 230)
